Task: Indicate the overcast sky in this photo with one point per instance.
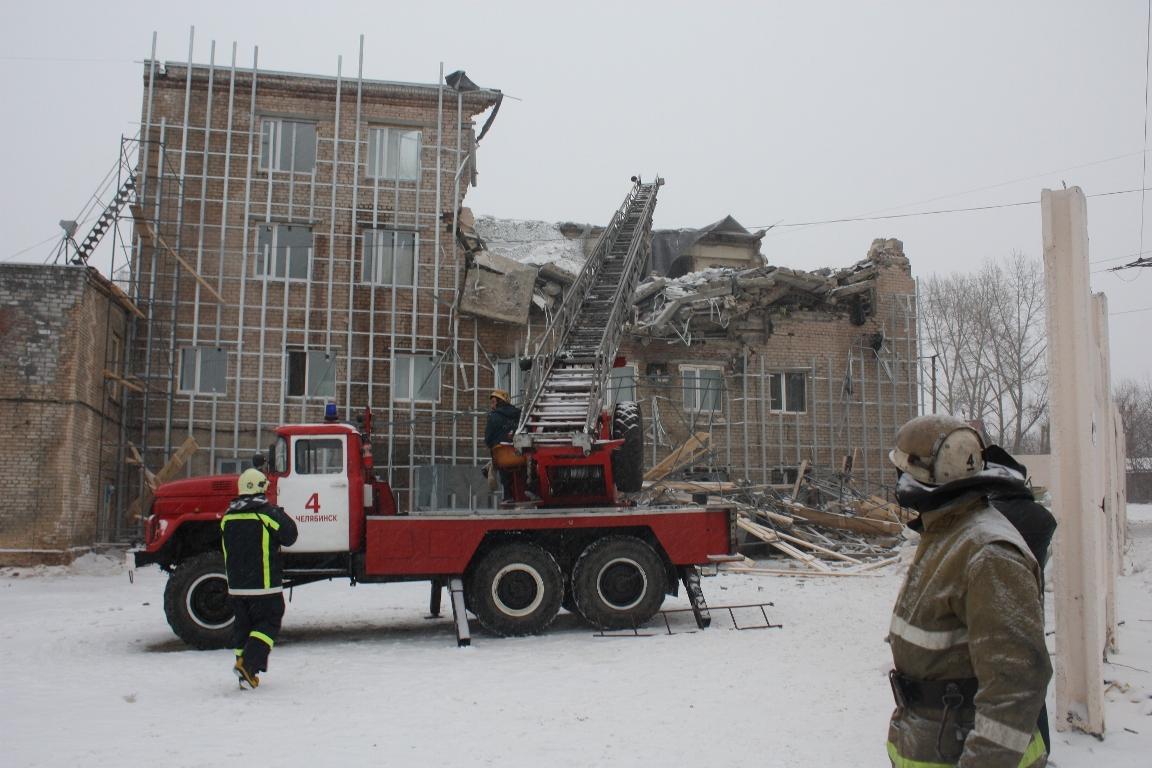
(775, 113)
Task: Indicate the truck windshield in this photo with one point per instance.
(278, 456)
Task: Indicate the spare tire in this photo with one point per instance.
(628, 459)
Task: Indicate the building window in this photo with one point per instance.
(393, 153)
(622, 385)
(702, 388)
(283, 251)
(510, 378)
(204, 370)
(288, 145)
(416, 378)
(319, 457)
(389, 257)
(788, 392)
(311, 374)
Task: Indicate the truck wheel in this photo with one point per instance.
(618, 582)
(628, 459)
(196, 602)
(516, 590)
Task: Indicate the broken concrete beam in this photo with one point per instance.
(649, 289)
(498, 289)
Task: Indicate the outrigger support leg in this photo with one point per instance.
(463, 636)
(434, 600)
(691, 578)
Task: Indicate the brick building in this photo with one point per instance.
(57, 326)
(297, 240)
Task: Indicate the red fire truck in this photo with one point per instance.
(513, 567)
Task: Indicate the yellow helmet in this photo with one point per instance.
(501, 395)
(252, 482)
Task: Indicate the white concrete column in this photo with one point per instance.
(1077, 489)
(1106, 437)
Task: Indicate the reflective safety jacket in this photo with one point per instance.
(252, 532)
(971, 607)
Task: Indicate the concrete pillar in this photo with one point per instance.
(1079, 551)
(1106, 434)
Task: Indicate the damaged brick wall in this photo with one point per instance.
(54, 325)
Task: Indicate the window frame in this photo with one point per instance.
(516, 379)
(614, 388)
(697, 406)
(311, 357)
(198, 371)
(779, 380)
(376, 165)
(377, 256)
(271, 146)
(266, 256)
(411, 383)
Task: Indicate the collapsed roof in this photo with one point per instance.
(724, 301)
(515, 267)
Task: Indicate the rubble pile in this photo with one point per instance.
(722, 299)
(829, 522)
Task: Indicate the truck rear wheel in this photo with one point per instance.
(628, 459)
(516, 590)
(618, 582)
(196, 602)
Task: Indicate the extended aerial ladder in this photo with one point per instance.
(565, 433)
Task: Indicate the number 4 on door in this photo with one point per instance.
(313, 504)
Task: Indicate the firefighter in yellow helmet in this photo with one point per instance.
(252, 532)
(967, 632)
(503, 418)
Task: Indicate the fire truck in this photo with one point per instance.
(568, 537)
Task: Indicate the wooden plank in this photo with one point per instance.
(879, 564)
(665, 467)
(683, 485)
(166, 473)
(819, 548)
(134, 387)
(186, 265)
(799, 478)
(748, 511)
(843, 522)
(803, 574)
(772, 538)
(123, 300)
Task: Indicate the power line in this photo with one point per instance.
(1130, 311)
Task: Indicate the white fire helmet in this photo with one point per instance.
(252, 482)
(936, 449)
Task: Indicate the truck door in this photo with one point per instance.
(315, 492)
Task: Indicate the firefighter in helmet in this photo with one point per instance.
(503, 417)
(252, 532)
(967, 632)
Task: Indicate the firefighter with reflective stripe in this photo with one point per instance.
(967, 632)
(252, 532)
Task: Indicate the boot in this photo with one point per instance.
(246, 673)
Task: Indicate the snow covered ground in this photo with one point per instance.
(91, 675)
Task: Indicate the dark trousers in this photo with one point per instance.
(256, 627)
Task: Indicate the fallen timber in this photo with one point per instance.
(825, 522)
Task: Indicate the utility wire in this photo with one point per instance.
(1130, 311)
(1144, 171)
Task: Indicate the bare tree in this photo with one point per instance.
(1134, 400)
(987, 331)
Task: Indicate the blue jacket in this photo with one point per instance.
(500, 422)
